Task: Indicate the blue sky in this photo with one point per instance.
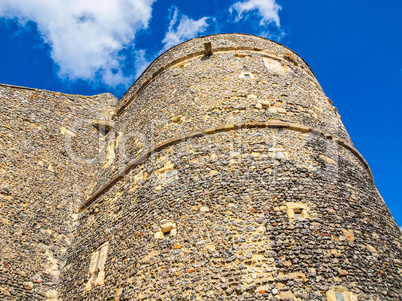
(94, 46)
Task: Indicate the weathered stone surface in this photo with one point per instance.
(239, 200)
(48, 160)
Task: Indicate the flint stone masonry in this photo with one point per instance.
(41, 185)
(223, 173)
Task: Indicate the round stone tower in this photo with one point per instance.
(230, 176)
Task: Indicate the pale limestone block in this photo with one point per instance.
(213, 172)
(234, 154)
(118, 294)
(28, 285)
(272, 110)
(286, 296)
(348, 234)
(93, 263)
(204, 209)
(327, 159)
(51, 294)
(242, 55)
(281, 110)
(110, 153)
(100, 280)
(265, 104)
(102, 257)
(295, 275)
(251, 96)
(167, 227)
(214, 157)
(67, 132)
(173, 232)
(274, 66)
(273, 149)
(372, 250)
(158, 235)
(258, 106)
(177, 118)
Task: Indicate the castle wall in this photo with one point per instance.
(258, 210)
(193, 92)
(231, 197)
(46, 170)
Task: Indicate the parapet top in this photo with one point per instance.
(206, 46)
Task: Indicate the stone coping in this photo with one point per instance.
(229, 127)
(49, 91)
(214, 49)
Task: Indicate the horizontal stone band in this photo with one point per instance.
(269, 124)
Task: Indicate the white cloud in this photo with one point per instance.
(85, 36)
(276, 35)
(182, 28)
(141, 62)
(267, 9)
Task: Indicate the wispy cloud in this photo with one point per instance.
(141, 62)
(86, 36)
(182, 28)
(267, 9)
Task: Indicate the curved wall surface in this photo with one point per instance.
(231, 177)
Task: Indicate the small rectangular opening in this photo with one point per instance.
(298, 213)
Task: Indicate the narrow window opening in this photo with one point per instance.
(103, 126)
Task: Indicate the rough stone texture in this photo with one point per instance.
(222, 177)
(44, 141)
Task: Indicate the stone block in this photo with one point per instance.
(265, 103)
(168, 227)
(65, 131)
(281, 110)
(28, 285)
(51, 294)
(158, 235)
(204, 209)
(274, 66)
(327, 159)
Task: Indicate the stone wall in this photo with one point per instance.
(231, 177)
(233, 199)
(48, 157)
(193, 92)
(215, 177)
